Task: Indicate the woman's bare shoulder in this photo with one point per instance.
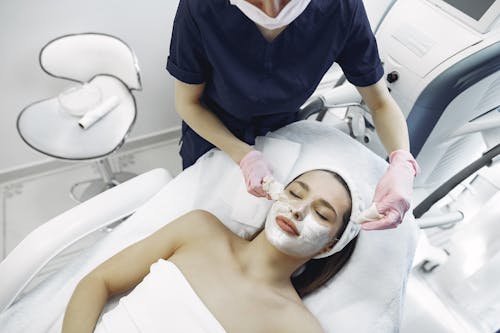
(201, 223)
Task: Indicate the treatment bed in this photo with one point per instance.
(367, 295)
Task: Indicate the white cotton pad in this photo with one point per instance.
(272, 187)
(78, 100)
(369, 214)
(281, 155)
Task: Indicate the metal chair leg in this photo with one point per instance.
(85, 190)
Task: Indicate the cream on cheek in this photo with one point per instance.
(313, 236)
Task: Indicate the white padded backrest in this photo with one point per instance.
(80, 57)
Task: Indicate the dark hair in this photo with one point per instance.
(317, 272)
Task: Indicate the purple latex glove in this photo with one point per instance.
(254, 169)
(393, 192)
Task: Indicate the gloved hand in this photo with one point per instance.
(273, 188)
(393, 192)
(254, 169)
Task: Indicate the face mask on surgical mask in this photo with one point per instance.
(312, 235)
(289, 13)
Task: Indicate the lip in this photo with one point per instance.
(287, 225)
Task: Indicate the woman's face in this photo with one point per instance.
(306, 218)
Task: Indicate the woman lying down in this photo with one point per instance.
(204, 278)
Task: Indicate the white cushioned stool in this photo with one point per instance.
(104, 71)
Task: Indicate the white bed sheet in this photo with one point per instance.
(366, 296)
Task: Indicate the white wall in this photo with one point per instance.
(26, 25)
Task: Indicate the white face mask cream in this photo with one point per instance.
(311, 238)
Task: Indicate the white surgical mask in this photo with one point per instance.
(292, 9)
(312, 235)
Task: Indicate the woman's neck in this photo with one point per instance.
(262, 262)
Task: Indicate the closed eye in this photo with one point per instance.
(321, 216)
(294, 194)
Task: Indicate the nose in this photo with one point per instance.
(299, 212)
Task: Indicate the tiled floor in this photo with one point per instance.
(29, 202)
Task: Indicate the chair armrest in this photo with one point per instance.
(52, 237)
(341, 95)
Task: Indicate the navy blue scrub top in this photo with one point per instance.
(255, 86)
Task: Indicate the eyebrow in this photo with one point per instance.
(322, 201)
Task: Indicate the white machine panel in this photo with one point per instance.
(424, 40)
(478, 14)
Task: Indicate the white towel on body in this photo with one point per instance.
(163, 302)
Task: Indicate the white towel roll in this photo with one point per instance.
(92, 116)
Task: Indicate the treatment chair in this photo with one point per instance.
(102, 69)
(367, 295)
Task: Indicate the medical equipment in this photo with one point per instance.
(354, 292)
(444, 77)
(442, 62)
(479, 15)
(105, 70)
